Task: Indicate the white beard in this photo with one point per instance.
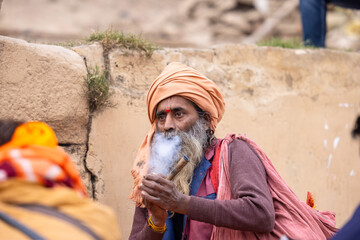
(193, 142)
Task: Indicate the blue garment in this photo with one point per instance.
(351, 230)
(313, 18)
(170, 231)
(199, 174)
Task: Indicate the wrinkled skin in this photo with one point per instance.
(160, 195)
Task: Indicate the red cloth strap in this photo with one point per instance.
(214, 169)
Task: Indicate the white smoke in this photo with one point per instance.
(164, 153)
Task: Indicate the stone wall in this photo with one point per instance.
(298, 105)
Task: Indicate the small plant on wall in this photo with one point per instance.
(111, 38)
(98, 89)
(284, 43)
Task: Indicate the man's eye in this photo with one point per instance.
(178, 114)
(161, 117)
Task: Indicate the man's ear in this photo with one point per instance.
(207, 117)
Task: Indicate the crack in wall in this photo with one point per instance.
(69, 144)
(93, 177)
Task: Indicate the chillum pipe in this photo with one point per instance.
(180, 165)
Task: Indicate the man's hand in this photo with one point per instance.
(158, 191)
(158, 214)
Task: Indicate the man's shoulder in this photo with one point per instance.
(241, 150)
(239, 143)
(241, 146)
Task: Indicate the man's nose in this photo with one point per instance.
(169, 123)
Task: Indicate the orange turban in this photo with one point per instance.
(34, 155)
(176, 79)
(33, 133)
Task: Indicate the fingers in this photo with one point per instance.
(153, 197)
(149, 194)
(154, 192)
(159, 191)
(159, 178)
(147, 204)
(149, 200)
(156, 184)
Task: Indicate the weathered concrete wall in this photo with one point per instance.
(298, 105)
(44, 82)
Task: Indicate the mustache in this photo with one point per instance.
(198, 131)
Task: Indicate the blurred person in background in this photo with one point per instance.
(41, 193)
(313, 19)
(351, 230)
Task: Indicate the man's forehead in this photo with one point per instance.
(173, 102)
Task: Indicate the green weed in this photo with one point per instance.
(111, 38)
(290, 43)
(98, 89)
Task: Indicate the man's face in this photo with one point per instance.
(175, 113)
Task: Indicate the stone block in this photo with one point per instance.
(92, 54)
(44, 82)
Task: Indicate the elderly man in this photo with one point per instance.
(229, 190)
